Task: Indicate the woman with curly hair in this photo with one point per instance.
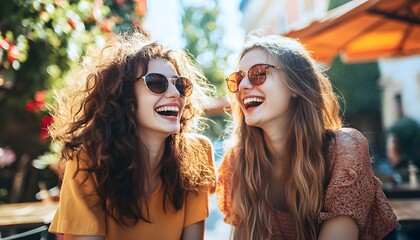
(134, 169)
(292, 171)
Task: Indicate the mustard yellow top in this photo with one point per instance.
(77, 213)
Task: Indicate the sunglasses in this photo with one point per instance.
(158, 84)
(256, 75)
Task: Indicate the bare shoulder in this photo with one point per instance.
(203, 159)
(199, 139)
(201, 146)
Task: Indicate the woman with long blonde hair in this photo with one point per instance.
(134, 166)
(291, 171)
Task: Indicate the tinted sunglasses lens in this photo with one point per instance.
(156, 83)
(184, 86)
(257, 74)
(233, 81)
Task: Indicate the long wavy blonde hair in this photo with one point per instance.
(313, 116)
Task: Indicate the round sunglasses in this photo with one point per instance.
(256, 75)
(158, 84)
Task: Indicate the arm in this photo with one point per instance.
(80, 237)
(343, 227)
(194, 231)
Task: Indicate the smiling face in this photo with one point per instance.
(265, 106)
(159, 115)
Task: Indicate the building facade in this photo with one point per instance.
(280, 15)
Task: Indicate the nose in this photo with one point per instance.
(172, 92)
(244, 84)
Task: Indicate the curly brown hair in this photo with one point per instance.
(95, 124)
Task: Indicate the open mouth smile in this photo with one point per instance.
(252, 102)
(168, 111)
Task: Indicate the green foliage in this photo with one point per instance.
(40, 41)
(124, 14)
(202, 36)
(54, 35)
(336, 3)
(358, 84)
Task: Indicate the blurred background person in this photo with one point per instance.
(403, 147)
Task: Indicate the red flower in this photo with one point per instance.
(40, 99)
(4, 44)
(72, 23)
(46, 121)
(43, 135)
(12, 53)
(38, 104)
(40, 96)
(30, 106)
(104, 25)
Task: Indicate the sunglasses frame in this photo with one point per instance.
(177, 79)
(242, 73)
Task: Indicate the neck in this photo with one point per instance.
(156, 149)
(276, 144)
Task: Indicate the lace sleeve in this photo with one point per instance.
(353, 189)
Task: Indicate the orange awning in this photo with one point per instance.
(364, 30)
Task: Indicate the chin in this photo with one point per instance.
(251, 122)
(171, 130)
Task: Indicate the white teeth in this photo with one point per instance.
(167, 108)
(253, 99)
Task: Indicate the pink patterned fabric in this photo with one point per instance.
(353, 191)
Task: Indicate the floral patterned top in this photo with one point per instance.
(353, 191)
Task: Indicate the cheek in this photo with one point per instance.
(281, 90)
(141, 112)
(145, 106)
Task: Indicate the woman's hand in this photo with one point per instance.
(343, 228)
(194, 231)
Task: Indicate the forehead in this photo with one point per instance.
(255, 56)
(161, 66)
